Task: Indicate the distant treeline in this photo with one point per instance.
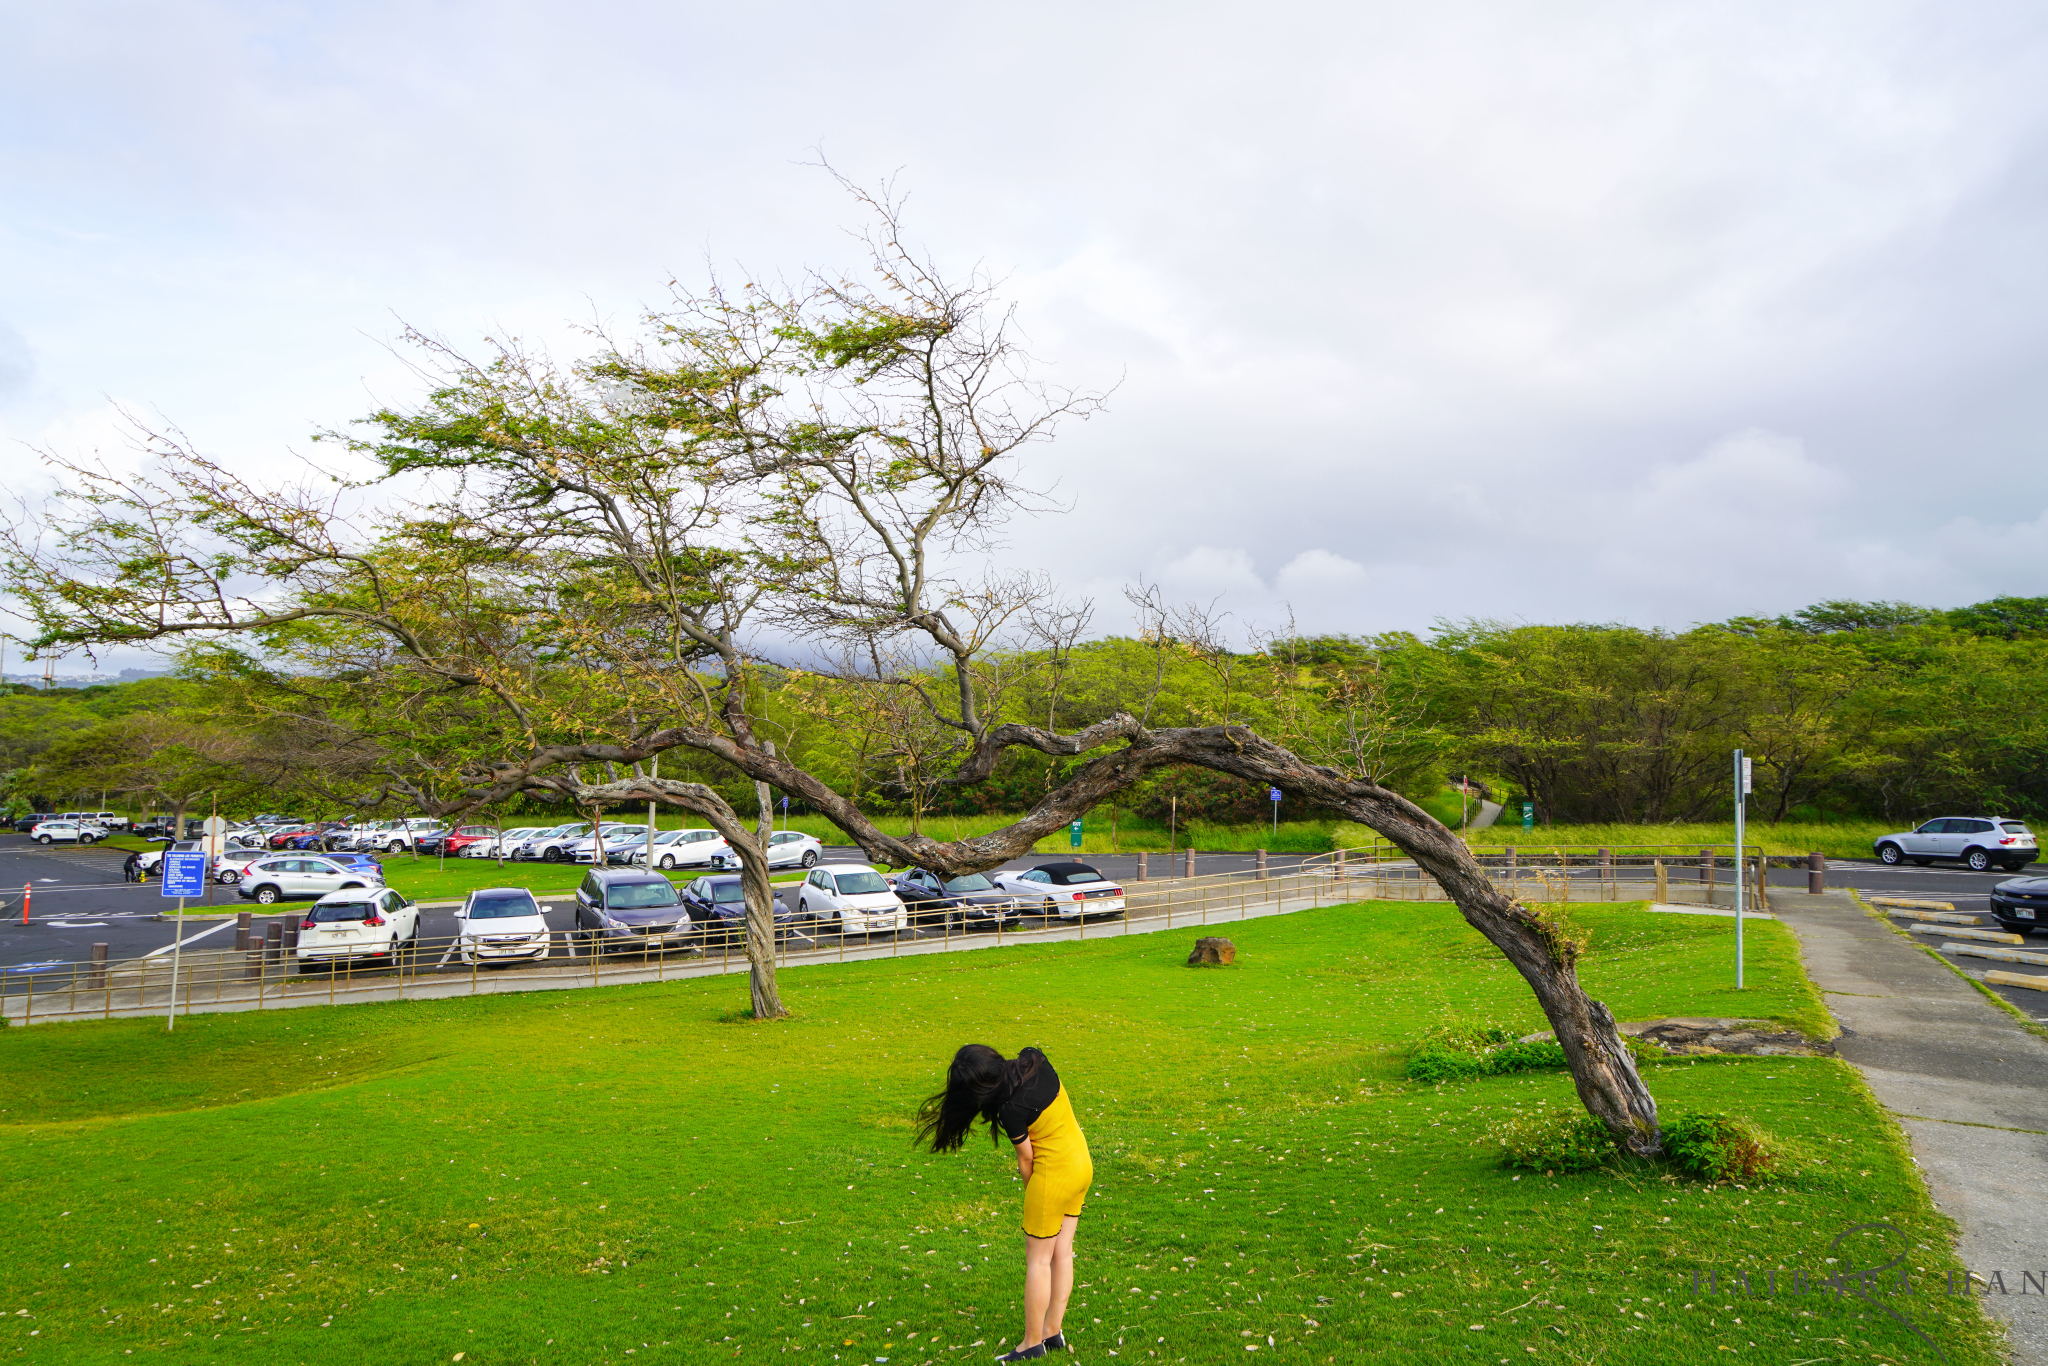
(1880, 710)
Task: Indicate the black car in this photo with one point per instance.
(718, 906)
(31, 821)
(970, 902)
(2021, 904)
(617, 908)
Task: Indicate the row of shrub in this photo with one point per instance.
(1709, 1147)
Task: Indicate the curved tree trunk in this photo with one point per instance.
(1542, 947)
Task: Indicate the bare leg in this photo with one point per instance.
(1062, 1275)
(1038, 1276)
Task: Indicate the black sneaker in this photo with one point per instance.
(1056, 1343)
(1024, 1353)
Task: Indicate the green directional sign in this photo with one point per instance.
(1528, 815)
(1074, 835)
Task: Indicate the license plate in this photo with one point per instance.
(2023, 912)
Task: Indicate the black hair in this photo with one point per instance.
(977, 1083)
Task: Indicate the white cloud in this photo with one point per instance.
(1500, 307)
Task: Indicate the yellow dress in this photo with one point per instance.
(1061, 1170)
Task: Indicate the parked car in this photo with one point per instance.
(718, 906)
(31, 821)
(501, 925)
(268, 881)
(970, 902)
(692, 849)
(617, 908)
(500, 846)
(362, 922)
(552, 846)
(786, 849)
(461, 839)
(406, 835)
(1979, 842)
(233, 863)
(2020, 905)
(1072, 891)
(153, 859)
(108, 820)
(617, 837)
(850, 898)
(66, 832)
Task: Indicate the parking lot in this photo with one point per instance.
(77, 899)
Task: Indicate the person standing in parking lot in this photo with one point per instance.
(131, 868)
(1023, 1098)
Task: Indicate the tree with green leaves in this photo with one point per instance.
(597, 549)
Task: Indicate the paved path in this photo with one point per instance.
(1967, 1082)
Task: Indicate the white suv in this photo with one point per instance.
(66, 832)
(850, 898)
(1980, 842)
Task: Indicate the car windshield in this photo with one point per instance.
(725, 893)
(327, 912)
(669, 836)
(635, 895)
(973, 882)
(502, 906)
(863, 883)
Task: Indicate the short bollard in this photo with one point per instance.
(1706, 865)
(1262, 864)
(242, 920)
(1816, 874)
(1188, 863)
(96, 974)
(273, 944)
(1142, 871)
(1606, 860)
(1511, 858)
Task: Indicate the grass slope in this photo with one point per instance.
(579, 1177)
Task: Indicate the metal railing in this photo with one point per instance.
(267, 968)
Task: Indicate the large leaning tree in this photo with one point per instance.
(590, 553)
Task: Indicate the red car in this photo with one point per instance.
(279, 838)
(468, 835)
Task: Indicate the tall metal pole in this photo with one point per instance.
(1741, 788)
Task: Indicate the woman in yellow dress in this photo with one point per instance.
(1022, 1098)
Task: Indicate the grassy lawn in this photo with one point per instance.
(575, 1177)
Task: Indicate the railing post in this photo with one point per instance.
(98, 976)
(1262, 865)
(1816, 873)
(1707, 871)
(1141, 868)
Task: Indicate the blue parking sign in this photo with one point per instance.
(185, 873)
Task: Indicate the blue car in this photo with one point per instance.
(360, 861)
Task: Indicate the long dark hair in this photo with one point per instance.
(977, 1083)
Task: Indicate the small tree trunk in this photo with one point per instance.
(761, 908)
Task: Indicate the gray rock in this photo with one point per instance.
(1211, 952)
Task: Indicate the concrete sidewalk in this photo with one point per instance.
(1964, 1079)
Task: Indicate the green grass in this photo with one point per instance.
(564, 1177)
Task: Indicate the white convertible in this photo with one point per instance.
(1072, 891)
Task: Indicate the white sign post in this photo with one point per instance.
(184, 874)
(1742, 776)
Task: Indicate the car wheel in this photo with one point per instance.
(551, 855)
(1889, 854)
(1978, 860)
(85, 839)
(45, 839)
(268, 896)
(226, 876)
(668, 863)
(810, 858)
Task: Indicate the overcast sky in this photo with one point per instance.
(1655, 313)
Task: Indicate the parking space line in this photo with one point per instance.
(191, 938)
